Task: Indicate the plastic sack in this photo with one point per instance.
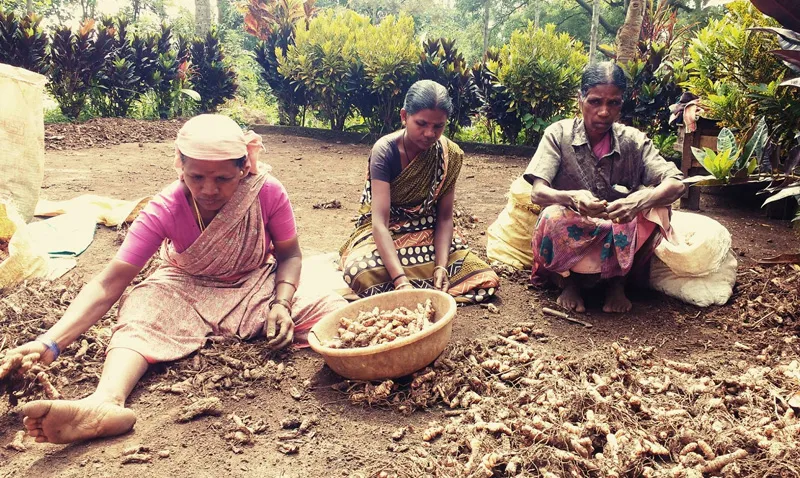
(21, 137)
(696, 265)
(509, 236)
(698, 247)
(25, 260)
(715, 288)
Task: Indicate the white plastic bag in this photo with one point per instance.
(698, 247)
(712, 289)
(697, 265)
(21, 137)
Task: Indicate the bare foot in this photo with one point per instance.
(570, 297)
(67, 421)
(616, 300)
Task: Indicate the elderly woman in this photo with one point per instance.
(231, 265)
(405, 237)
(606, 191)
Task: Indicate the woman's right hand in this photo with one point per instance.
(588, 205)
(24, 357)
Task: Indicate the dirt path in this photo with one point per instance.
(347, 438)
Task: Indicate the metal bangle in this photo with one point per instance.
(283, 302)
(446, 274)
(284, 281)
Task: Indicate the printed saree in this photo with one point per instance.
(563, 240)
(221, 285)
(412, 222)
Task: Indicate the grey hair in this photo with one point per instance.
(427, 95)
(240, 162)
(603, 73)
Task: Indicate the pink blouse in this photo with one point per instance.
(170, 216)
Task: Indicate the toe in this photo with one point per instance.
(37, 409)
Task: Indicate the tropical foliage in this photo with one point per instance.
(541, 70)
(441, 62)
(212, 79)
(23, 42)
(387, 64)
(321, 58)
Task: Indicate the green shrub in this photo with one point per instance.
(653, 75)
(727, 61)
(171, 72)
(541, 70)
(389, 55)
(77, 59)
(441, 62)
(212, 78)
(321, 59)
(275, 22)
(128, 70)
(23, 42)
(498, 104)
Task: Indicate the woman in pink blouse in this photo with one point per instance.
(230, 267)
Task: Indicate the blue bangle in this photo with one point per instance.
(51, 345)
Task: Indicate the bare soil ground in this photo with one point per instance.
(677, 376)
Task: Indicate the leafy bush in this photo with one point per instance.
(23, 42)
(727, 61)
(128, 70)
(541, 70)
(275, 22)
(731, 160)
(498, 104)
(212, 79)
(321, 59)
(652, 73)
(171, 72)
(388, 54)
(441, 62)
(77, 59)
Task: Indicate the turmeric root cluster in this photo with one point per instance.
(377, 326)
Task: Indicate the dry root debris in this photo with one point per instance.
(613, 413)
(373, 327)
(202, 407)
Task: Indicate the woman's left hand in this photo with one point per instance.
(624, 210)
(440, 279)
(279, 328)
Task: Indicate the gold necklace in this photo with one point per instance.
(199, 217)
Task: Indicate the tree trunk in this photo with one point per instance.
(202, 17)
(603, 23)
(485, 28)
(537, 14)
(628, 34)
(593, 34)
(29, 7)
